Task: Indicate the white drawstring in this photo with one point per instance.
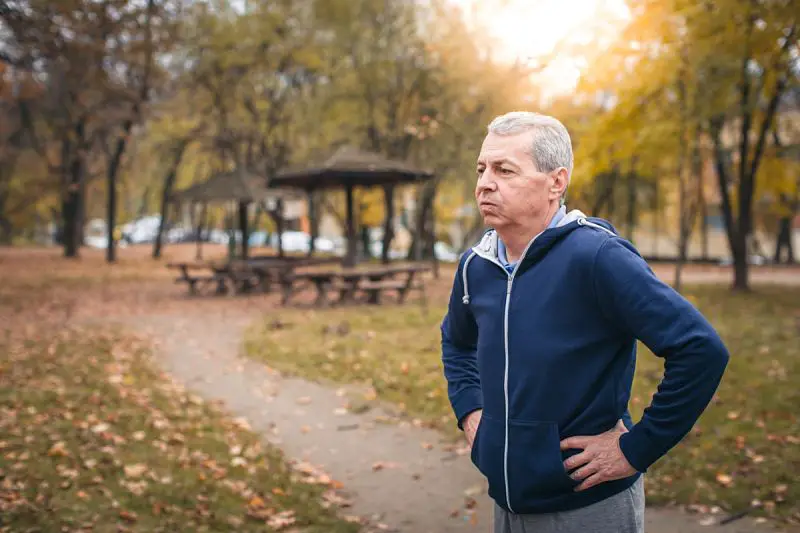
(465, 298)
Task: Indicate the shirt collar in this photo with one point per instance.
(501, 248)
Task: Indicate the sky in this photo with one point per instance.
(529, 28)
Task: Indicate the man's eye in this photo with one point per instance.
(479, 171)
(506, 171)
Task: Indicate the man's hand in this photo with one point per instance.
(471, 425)
(601, 459)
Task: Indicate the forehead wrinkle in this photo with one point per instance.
(498, 160)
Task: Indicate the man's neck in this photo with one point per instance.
(516, 238)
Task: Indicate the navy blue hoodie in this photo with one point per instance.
(548, 352)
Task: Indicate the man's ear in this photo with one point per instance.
(560, 182)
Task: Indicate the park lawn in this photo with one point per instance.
(92, 437)
(743, 455)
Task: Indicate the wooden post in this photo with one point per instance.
(388, 225)
(350, 258)
(243, 226)
(312, 222)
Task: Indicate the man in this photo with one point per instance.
(539, 347)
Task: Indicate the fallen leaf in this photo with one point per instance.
(128, 516)
(135, 470)
(281, 520)
(59, 449)
(725, 480)
(256, 502)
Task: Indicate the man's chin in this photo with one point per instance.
(491, 221)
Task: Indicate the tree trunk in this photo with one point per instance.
(71, 205)
(425, 199)
(656, 218)
(388, 225)
(784, 240)
(166, 193)
(701, 197)
(113, 170)
(6, 231)
(603, 189)
(423, 235)
(201, 223)
(277, 217)
(5, 224)
(144, 205)
(631, 211)
(158, 244)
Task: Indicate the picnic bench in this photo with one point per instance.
(193, 280)
(242, 275)
(348, 283)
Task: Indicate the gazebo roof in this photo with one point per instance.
(239, 185)
(349, 166)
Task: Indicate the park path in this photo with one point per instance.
(400, 477)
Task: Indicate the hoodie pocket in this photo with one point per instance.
(487, 454)
(535, 463)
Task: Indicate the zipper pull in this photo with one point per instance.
(510, 280)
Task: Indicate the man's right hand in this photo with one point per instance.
(471, 425)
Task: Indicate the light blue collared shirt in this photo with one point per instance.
(501, 248)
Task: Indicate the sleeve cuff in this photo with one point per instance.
(638, 450)
(468, 401)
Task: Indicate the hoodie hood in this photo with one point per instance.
(537, 248)
(487, 248)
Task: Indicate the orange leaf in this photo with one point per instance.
(257, 502)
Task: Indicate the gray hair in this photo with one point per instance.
(551, 147)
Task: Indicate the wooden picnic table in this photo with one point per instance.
(243, 275)
(348, 282)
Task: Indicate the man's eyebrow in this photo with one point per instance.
(502, 160)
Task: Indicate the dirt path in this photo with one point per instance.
(391, 472)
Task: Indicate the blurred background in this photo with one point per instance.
(684, 116)
(243, 139)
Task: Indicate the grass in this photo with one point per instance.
(92, 437)
(743, 455)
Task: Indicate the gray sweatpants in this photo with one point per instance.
(621, 513)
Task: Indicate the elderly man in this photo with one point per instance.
(539, 347)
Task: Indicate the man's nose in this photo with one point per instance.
(486, 182)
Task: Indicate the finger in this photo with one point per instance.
(575, 442)
(577, 460)
(591, 481)
(621, 426)
(584, 472)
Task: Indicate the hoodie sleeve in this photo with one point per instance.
(459, 358)
(695, 358)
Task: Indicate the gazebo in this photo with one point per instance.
(240, 186)
(347, 169)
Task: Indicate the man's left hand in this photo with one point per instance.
(601, 459)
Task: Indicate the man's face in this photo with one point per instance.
(510, 190)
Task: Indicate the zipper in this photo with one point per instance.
(511, 277)
(505, 386)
